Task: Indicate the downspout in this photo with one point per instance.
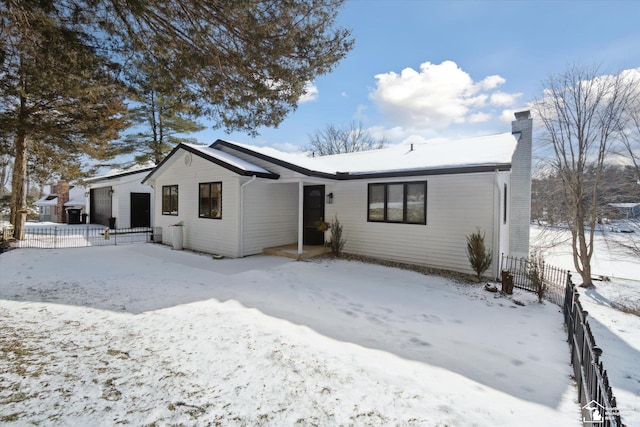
(241, 217)
(300, 217)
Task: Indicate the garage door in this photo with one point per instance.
(100, 206)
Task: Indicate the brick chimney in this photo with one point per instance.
(63, 197)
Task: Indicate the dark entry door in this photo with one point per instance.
(100, 205)
(313, 210)
(140, 210)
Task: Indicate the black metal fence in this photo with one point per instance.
(80, 236)
(554, 279)
(594, 392)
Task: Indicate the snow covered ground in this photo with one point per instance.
(144, 335)
(616, 332)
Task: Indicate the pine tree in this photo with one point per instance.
(336, 242)
(59, 97)
(247, 63)
(479, 256)
(163, 111)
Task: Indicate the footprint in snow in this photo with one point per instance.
(431, 318)
(349, 313)
(418, 341)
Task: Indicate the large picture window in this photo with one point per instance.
(404, 202)
(169, 200)
(210, 197)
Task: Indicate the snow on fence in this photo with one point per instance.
(553, 278)
(594, 392)
(77, 237)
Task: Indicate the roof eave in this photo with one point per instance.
(501, 167)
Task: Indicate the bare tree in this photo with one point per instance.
(582, 113)
(342, 139)
(630, 137)
(630, 134)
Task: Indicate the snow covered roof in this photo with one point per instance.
(76, 196)
(118, 173)
(227, 158)
(228, 161)
(460, 155)
(484, 151)
(624, 205)
(46, 201)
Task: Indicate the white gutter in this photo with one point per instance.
(241, 217)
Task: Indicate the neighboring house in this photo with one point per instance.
(630, 210)
(119, 199)
(64, 204)
(409, 203)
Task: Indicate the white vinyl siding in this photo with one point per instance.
(456, 205)
(270, 215)
(200, 234)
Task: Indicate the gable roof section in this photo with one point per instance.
(294, 162)
(119, 174)
(220, 158)
(468, 155)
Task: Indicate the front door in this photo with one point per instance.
(140, 210)
(313, 211)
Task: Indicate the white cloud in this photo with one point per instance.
(479, 117)
(492, 82)
(435, 96)
(503, 99)
(507, 116)
(344, 94)
(310, 93)
(360, 114)
(286, 147)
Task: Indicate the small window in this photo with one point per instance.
(504, 215)
(398, 202)
(169, 200)
(210, 200)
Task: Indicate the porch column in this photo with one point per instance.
(300, 216)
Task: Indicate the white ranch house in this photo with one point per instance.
(410, 203)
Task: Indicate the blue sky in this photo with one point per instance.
(467, 65)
